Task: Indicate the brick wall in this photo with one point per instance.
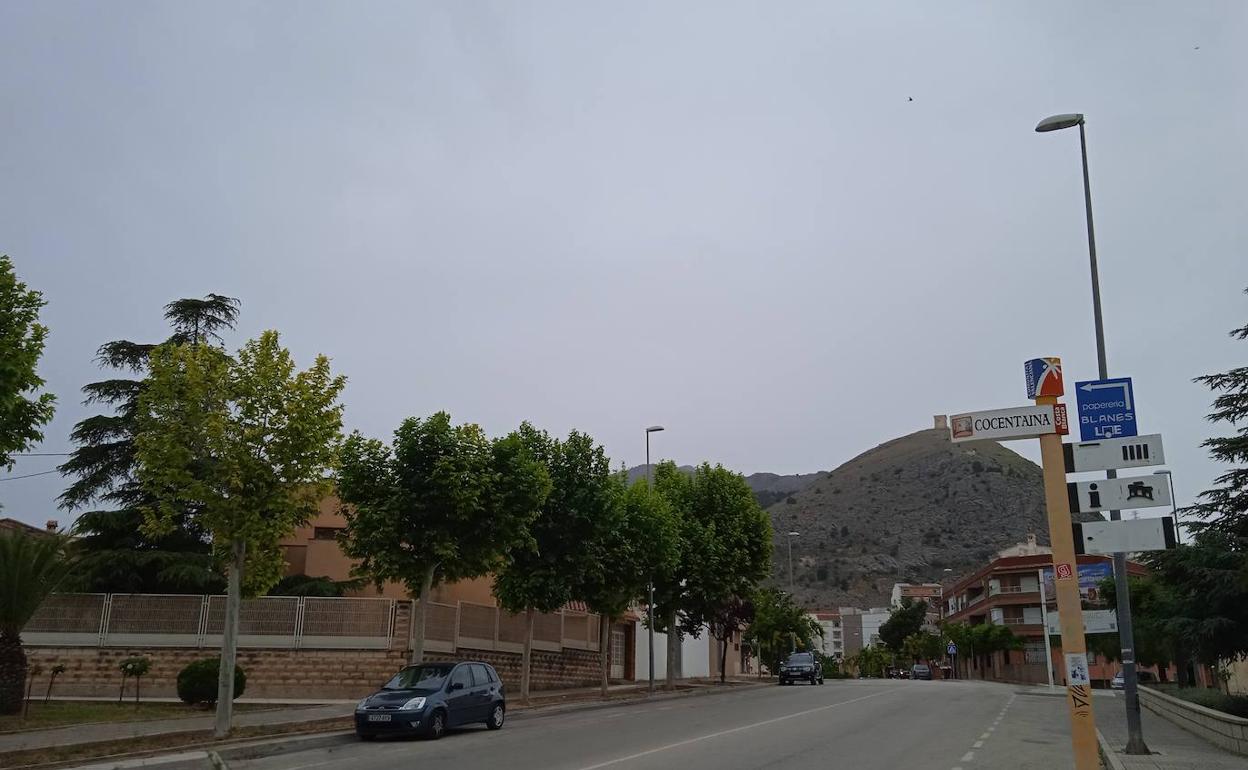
(274, 673)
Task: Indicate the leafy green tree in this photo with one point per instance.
(561, 558)
(117, 553)
(633, 542)
(441, 503)
(923, 645)
(727, 620)
(241, 447)
(32, 565)
(22, 414)
(905, 619)
(780, 626)
(871, 661)
(724, 547)
(1152, 608)
(1224, 509)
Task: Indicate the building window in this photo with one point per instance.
(1033, 652)
(326, 533)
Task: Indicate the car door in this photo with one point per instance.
(482, 691)
(460, 702)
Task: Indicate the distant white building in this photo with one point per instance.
(833, 642)
(928, 592)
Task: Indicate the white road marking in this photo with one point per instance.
(984, 737)
(730, 731)
(968, 756)
(977, 745)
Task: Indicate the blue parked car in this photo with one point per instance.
(428, 698)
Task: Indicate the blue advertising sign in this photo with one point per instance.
(1090, 578)
(1106, 409)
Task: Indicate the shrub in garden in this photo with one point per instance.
(197, 683)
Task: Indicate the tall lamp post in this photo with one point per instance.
(1174, 506)
(791, 536)
(1135, 732)
(650, 604)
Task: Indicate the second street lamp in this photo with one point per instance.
(650, 604)
(1135, 731)
(791, 536)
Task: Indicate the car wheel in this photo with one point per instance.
(496, 717)
(437, 726)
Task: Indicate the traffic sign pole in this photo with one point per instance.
(1069, 607)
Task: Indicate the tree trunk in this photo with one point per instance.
(604, 649)
(723, 660)
(419, 615)
(526, 657)
(121, 693)
(229, 640)
(673, 650)
(12, 673)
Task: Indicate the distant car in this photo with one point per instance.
(428, 698)
(801, 666)
(921, 671)
(1143, 677)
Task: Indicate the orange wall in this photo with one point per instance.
(316, 558)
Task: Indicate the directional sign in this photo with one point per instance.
(1119, 494)
(1113, 453)
(1106, 409)
(1094, 622)
(1004, 424)
(952, 649)
(1127, 536)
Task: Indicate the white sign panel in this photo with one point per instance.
(1119, 494)
(1077, 669)
(1094, 622)
(1003, 424)
(1114, 453)
(1127, 536)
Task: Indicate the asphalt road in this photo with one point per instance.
(855, 724)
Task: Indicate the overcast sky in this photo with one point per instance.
(786, 231)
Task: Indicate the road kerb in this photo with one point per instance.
(258, 748)
(1109, 757)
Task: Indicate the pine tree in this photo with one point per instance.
(117, 555)
(1224, 509)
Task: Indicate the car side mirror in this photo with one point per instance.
(456, 686)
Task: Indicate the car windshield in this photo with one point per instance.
(801, 659)
(429, 676)
(920, 667)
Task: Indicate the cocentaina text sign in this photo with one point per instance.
(1005, 424)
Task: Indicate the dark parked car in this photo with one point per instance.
(429, 698)
(921, 671)
(801, 666)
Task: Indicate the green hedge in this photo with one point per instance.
(197, 683)
(1235, 705)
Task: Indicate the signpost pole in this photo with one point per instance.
(1044, 620)
(1069, 608)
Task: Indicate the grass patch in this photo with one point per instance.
(1235, 705)
(161, 744)
(69, 712)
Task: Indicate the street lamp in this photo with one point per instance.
(1135, 733)
(1174, 507)
(650, 604)
(791, 536)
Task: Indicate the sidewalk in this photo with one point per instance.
(1173, 747)
(332, 709)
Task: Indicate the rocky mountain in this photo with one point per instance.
(768, 487)
(907, 510)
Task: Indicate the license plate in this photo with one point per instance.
(379, 717)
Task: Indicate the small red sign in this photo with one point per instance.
(1064, 572)
(1060, 420)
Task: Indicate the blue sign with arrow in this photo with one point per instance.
(1106, 409)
